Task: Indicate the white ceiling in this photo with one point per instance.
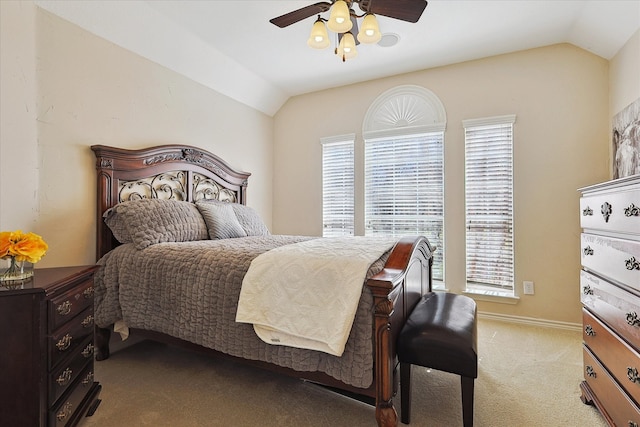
(232, 47)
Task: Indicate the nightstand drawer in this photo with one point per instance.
(67, 306)
(618, 211)
(620, 408)
(622, 362)
(613, 258)
(68, 338)
(66, 410)
(617, 308)
(67, 374)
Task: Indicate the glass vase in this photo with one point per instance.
(14, 273)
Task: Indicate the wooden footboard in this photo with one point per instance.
(396, 290)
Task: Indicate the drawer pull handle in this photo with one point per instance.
(88, 379)
(88, 293)
(87, 321)
(606, 211)
(589, 371)
(64, 308)
(587, 290)
(88, 350)
(632, 264)
(65, 377)
(587, 211)
(632, 374)
(587, 251)
(633, 424)
(64, 342)
(632, 318)
(65, 411)
(589, 331)
(632, 210)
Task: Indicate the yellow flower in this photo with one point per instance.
(22, 246)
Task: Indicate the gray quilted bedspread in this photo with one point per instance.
(190, 290)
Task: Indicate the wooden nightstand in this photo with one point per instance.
(46, 350)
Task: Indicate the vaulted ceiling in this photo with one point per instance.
(232, 47)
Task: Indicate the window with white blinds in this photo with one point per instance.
(404, 189)
(338, 186)
(489, 203)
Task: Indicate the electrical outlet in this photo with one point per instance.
(528, 288)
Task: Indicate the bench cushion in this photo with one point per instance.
(441, 333)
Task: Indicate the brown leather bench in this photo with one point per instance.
(441, 333)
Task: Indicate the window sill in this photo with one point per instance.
(492, 296)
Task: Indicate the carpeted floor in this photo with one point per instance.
(528, 377)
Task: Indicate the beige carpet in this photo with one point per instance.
(528, 377)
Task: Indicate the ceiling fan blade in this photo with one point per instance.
(300, 14)
(404, 10)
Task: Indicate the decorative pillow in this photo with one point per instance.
(221, 220)
(250, 220)
(151, 221)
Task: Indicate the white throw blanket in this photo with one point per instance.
(306, 294)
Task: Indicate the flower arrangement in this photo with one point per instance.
(19, 247)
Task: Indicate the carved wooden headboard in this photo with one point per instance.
(178, 172)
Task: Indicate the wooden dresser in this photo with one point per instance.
(46, 356)
(610, 295)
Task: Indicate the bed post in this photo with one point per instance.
(396, 289)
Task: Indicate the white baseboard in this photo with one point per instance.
(531, 321)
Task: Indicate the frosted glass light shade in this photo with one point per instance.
(319, 37)
(339, 20)
(369, 31)
(347, 47)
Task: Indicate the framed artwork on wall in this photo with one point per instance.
(626, 141)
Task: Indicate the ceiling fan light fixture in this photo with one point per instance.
(319, 37)
(347, 47)
(369, 31)
(340, 19)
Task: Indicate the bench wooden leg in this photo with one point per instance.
(405, 392)
(467, 401)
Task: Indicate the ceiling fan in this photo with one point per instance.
(343, 21)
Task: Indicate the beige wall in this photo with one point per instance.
(560, 96)
(88, 91)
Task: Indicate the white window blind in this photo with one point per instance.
(489, 203)
(338, 186)
(404, 189)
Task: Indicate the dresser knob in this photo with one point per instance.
(633, 424)
(64, 308)
(632, 264)
(587, 290)
(632, 318)
(587, 251)
(65, 377)
(587, 211)
(88, 379)
(606, 211)
(88, 350)
(88, 293)
(65, 411)
(632, 210)
(632, 374)
(87, 321)
(64, 342)
(589, 371)
(589, 331)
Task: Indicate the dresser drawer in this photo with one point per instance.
(67, 408)
(71, 336)
(618, 211)
(619, 309)
(613, 258)
(63, 377)
(68, 305)
(622, 410)
(622, 362)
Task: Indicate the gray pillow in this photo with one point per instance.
(147, 222)
(250, 220)
(221, 220)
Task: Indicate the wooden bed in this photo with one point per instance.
(188, 173)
